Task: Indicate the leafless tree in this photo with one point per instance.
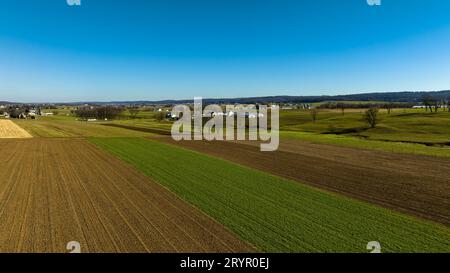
(431, 103)
(314, 113)
(389, 107)
(134, 111)
(371, 117)
(448, 103)
(341, 106)
(160, 116)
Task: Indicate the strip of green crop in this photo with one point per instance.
(275, 214)
(355, 142)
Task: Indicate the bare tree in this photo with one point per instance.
(436, 105)
(371, 117)
(448, 103)
(160, 116)
(389, 107)
(314, 113)
(134, 111)
(431, 103)
(341, 106)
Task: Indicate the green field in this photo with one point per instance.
(402, 125)
(403, 131)
(275, 214)
(146, 123)
(355, 142)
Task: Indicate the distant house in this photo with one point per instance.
(6, 115)
(172, 116)
(419, 107)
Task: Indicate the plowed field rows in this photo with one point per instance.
(53, 191)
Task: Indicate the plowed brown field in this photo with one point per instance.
(53, 191)
(9, 129)
(417, 185)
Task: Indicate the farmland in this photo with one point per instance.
(272, 213)
(402, 125)
(62, 126)
(8, 129)
(58, 190)
(133, 189)
(394, 181)
(411, 131)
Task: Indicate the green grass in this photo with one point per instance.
(403, 131)
(146, 123)
(275, 214)
(355, 142)
(403, 125)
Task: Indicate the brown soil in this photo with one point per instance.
(417, 185)
(53, 191)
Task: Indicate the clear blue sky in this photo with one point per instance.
(172, 49)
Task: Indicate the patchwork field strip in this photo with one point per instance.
(53, 191)
(417, 185)
(272, 213)
(9, 129)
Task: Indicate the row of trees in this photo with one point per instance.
(348, 105)
(98, 112)
(433, 104)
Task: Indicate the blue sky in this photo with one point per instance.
(172, 49)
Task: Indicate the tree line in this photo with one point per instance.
(433, 104)
(98, 112)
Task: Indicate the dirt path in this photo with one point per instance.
(416, 185)
(9, 129)
(53, 191)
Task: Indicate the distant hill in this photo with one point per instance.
(410, 97)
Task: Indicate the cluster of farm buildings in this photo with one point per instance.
(21, 112)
